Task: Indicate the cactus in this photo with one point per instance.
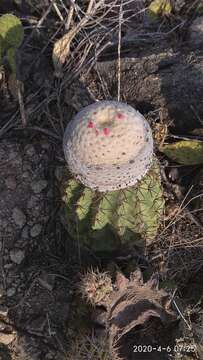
(11, 37)
(126, 313)
(112, 201)
(96, 287)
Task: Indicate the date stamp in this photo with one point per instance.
(169, 349)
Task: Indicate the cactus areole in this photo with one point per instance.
(108, 146)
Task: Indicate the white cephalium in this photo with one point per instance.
(108, 146)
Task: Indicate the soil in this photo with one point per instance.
(40, 265)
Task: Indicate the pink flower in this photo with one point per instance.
(106, 131)
(90, 125)
(120, 116)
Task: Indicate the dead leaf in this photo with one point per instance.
(61, 51)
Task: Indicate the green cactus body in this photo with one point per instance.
(106, 221)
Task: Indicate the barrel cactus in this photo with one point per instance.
(113, 196)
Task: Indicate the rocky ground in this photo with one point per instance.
(34, 295)
(39, 264)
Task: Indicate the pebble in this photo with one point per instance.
(33, 202)
(30, 150)
(17, 256)
(8, 266)
(36, 230)
(49, 356)
(47, 281)
(26, 175)
(19, 217)
(10, 292)
(38, 186)
(25, 234)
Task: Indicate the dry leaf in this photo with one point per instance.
(61, 51)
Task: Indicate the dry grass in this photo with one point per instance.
(89, 347)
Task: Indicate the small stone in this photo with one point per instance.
(30, 150)
(17, 256)
(26, 175)
(49, 356)
(47, 281)
(19, 217)
(33, 202)
(11, 183)
(7, 339)
(10, 292)
(8, 266)
(36, 230)
(25, 233)
(38, 186)
(50, 193)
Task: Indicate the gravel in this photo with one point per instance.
(19, 217)
(17, 256)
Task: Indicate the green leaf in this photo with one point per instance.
(159, 8)
(188, 152)
(11, 30)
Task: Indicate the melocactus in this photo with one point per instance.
(108, 146)
(113, 195)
